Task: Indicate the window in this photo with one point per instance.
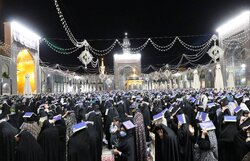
(5, 69)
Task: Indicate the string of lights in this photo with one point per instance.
(195, 48)
(164, 48)
(237, 37)
(202, 65)
(94, 51)
(62, 68)
(58, 48)
(61, 50)
(104, 50)
(241, 38)
(190, 58)
(157, 74)
(72, 38)
(199, 56)
(70, 71)
(95, 63)
(71, 68)
(149, 67)
(231, 45)
(240, 41)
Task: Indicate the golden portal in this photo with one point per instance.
(25, 65)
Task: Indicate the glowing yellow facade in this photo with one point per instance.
(25, 65)
(133, 82)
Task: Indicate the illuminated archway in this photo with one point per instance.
(25, 65)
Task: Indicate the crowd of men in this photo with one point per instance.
(170, 125)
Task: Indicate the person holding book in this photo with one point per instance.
(125, 150)
(185, 137)
(242, 137)
(207, 149)
(166, 145)
(49, 141)
(227, 129)
(79, 143)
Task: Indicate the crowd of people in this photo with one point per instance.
(170, 125)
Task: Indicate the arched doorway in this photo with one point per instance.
(235, 56)
(25, 65)
(124, 73)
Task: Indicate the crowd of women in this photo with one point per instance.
(171, 125)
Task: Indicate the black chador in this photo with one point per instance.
(166, 146)
(28, 148)
(79, 146)
(7, 141)
(49, 141)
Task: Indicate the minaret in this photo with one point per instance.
(126, 44)
(121, 61)
(102, 67)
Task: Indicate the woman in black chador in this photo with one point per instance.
(125, 150)
(27, 148)
(49, 141)
(186, 140)
(5, 110)
(7, 141)
(79, 146)
(166, 146)
(95, 133)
